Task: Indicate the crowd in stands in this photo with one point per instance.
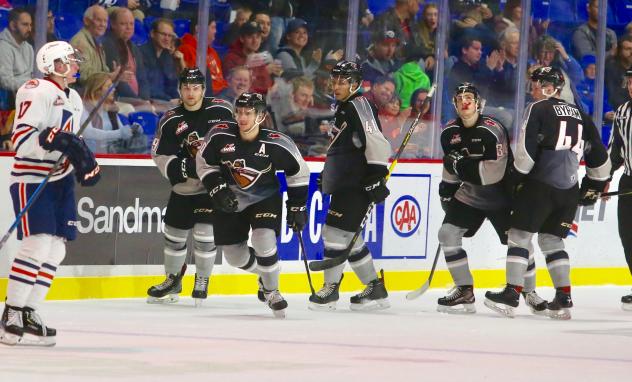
(285, 48)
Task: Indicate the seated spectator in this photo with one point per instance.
(162, 62)
(267, 45)
(51, 33)
(292, 109)
(323, 98)
(586, 88)
(503, 90)
(409, 78)
(399, 18)
(615, 72)
(291, 52)
(244, 53)
(381, 93)
(381, 60)
(106, 133)
(188, 47)
(6, 129)
(17, 58)
(88, 42)
(137, 7)
(471, 26)
(585, 36)
(239, 82)
(242, 15)
(422, 43)
(119, 50)
(389, 119)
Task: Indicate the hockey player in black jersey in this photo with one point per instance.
(477, 153)
(237, 166)
(354, 175)
(554, 137)
(179, 136)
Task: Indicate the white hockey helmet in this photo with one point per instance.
(52, 51)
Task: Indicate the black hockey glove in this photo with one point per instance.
(590, 191)
(376, 189)
(452, 161)
(181, 169)
(296, 216)
(223, 198)
(512, 181)
(446, 193)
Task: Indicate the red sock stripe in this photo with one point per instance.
(45, 275)
(566, 289)
(23, 201)
(22, 271)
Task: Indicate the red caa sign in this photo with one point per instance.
(405, 216)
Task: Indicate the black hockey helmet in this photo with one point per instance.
(628, 72)
(252, 101)
(347, 69)
(549, 74)
(468, 87)
(191, 76)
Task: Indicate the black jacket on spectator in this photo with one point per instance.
(162, 73)
(115, 50)
(617, 93)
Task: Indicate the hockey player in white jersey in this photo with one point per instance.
(48, 115)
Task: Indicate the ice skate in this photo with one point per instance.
(35, 332)
(626, 302)
(559, 308)
(373, 297)
(167, 291)
(200, 289)
(276, 302)
(11, 326)
(326, 298)
(536, 304)
(503, 302)
(460, 300)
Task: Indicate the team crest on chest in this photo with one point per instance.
(243, 175)
(182, 126)
(456, 139)
(194, 143)
(229, 148)
(58, 101)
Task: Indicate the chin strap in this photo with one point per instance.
(257, 122)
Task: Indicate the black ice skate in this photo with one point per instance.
(559, 308)
(35, 332)
(626, 302)
(459, 301)
(168, 290)
(326, 298)
(373, 297)
(11, 326)
(276, 302)
(536, 304)
(200, 289)
(260, 294)
(503, 302)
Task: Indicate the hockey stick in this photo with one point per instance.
(309, 276)
(616, 193)
(422, 289)
(319, 265)
(40, 188)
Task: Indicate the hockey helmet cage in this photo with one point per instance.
(191, 76)
(549, 74)
(347, 69)
(468, 87)
(53, 51)
(252, 101)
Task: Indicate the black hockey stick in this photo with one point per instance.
(60, 160)
(319, 265)
(309, 276)
(413, 294)
(616, 193)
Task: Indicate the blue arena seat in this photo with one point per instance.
(68, 24)
(4, 18)
(221, 10)
(563, 11)
(540, 9)
(182, 26)
(582, 13)
(140, 33)
(147, 119)
(623, 10)
(378, 7)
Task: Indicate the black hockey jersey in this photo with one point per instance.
(486, 148)
(554, 137)
(249, 166)
(357, 149)
(181, 133)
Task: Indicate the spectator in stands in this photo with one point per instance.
(511, 17)
(119, 50)
(503, 90)
(263, 19)
(550, 52)
(323, 98)
(244, 53)
(242, 15)
(137, 7)
(51, 33)
(420, 143)
(407, 79)
(381, 93)
(422, 43)
(615, 72)
(300, 101)
(16, 57)
(390, 120)
(381, 60)
(88, 42)
(162, 62)
(291, 52)
(586, 88)
(585, 36)
(239, 82)
(469, 67)
(188, 47)
(106, 133)
(399, 18)
(472, 26)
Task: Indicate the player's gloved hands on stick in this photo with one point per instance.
(452, 161)
(223, 198)
(296, 216)
(590, 191)
(187, 166)
(376, 188)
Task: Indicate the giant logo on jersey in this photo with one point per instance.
(66, 120)
(193, 143)
(405, 216)
(243, 175)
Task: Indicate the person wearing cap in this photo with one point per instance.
(381, 60)
(400, 17)
(247, 46)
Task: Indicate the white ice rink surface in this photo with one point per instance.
(235, 338)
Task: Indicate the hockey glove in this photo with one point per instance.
(446, 193)
(223, 198)
(179, 170)
(513, 181)
(296, 216)
(590, 191)
(376, 189)
(452, 161)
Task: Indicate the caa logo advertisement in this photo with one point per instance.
(405, 216)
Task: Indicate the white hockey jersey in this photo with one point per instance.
(41, 104)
